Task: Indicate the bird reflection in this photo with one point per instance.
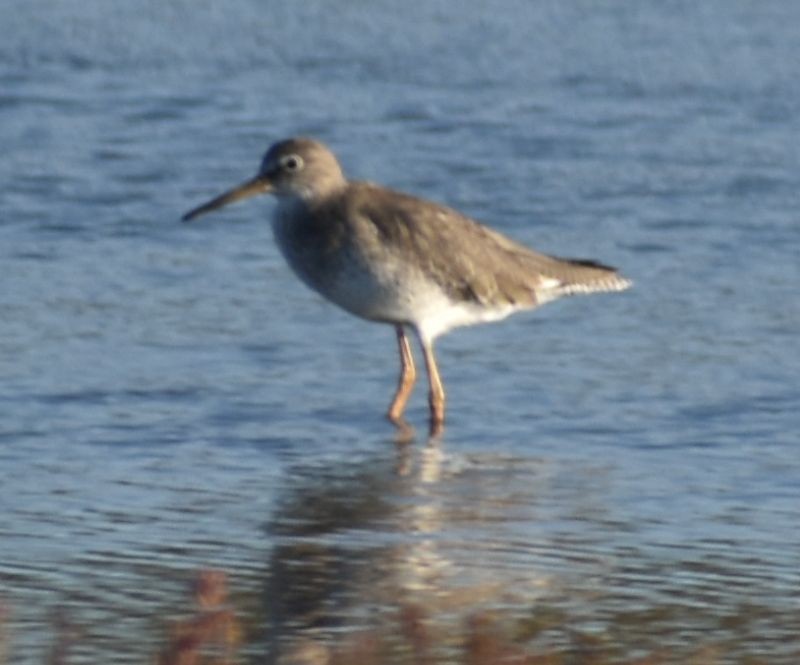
(360, 538)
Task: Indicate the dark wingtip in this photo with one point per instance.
(591, 263)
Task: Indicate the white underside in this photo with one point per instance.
(400, 297)
(439, 317)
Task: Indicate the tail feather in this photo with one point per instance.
(574, 276)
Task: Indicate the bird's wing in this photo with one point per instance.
(469, 260)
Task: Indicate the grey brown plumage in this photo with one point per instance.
(392, 257)
(470, 261)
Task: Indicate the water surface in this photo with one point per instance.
(622, 468)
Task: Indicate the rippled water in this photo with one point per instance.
(622, 467)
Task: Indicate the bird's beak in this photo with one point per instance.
(261, 184)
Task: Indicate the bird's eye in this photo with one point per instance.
(292, 163)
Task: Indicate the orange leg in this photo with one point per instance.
(408, 374)
(436, 396)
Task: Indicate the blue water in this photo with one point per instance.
(172, 399)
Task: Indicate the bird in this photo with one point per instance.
(394, 258)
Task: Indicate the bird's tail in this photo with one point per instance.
(564, 277)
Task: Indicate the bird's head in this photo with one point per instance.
(295, 169)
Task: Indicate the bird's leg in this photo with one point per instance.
(436, 395)
(408, 374)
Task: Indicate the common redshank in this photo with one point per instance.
(393, 258)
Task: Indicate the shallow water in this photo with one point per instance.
(172, 399)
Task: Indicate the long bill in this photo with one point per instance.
(257, 185)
